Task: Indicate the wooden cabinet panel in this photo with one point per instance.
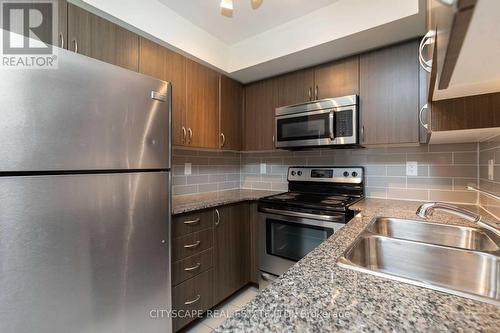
(100, 39)
(164, 64)
(232, 250)
(295, 87)
(202, 104)
(191, 266)
(62, 23)
(192, 244)
(261, 100)
(231, 110)
(339, 78)
(389, 95)
(197, 293)
(192, 222)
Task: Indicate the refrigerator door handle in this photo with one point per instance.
(159, 97)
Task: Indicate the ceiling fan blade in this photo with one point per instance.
(256, 3)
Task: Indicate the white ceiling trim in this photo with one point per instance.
(337, 21)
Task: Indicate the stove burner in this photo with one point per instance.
(285, 196)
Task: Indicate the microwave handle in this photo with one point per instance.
(332, 132)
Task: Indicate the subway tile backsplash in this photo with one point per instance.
(490, 151)
(443, 170)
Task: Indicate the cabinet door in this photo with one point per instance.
(231, 109)
(389, 95)
(164, 64)
(232, 250)
(93, 36)
(202, 105)
(62, 23)
(336, 79)
(261, 100)
(295, 87)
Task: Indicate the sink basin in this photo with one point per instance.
(436, 233)
(458, 260)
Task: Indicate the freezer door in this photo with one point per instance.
(85, 115)
(85, 253)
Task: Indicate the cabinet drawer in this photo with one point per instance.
(191, 244)
(187, 223)
(192, 295)
(191, 266)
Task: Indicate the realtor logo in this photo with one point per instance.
(29, 31)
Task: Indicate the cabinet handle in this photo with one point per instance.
(193, 301)
(189, 269)
(363, 133)
(61, 37)
(217, 215)
(316, 93)
(425, 107)
(190, 135)
(75, 44)
(310, 93)
(190, 246)
(223, 137)
(184, 134)
(427, 40)
(195, 221)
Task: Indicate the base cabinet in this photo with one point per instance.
(232, 250)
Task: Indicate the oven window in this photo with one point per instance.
(304, 127)
(293, 240)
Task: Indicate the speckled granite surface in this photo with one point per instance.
(316, 295)
(192, 202)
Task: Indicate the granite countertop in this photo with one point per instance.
(192, 202)
(316, 295)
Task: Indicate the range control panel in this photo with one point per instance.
(349, 175)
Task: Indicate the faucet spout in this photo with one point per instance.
(426, 210)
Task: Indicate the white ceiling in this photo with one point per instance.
(246, 21)
(280, 36)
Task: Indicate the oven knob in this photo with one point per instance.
(346, 174)
(293, 173)
(354, 174)
(299, 173)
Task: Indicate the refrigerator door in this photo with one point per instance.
(85, 253)
(85, 115)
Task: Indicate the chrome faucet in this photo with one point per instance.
(426, 210)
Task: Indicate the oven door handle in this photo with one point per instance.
(331, 118)
(303, 215)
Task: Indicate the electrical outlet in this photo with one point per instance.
(491, 169)
(263, 168)
(187, 169)
(412, 168)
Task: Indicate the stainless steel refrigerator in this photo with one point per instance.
(85, 199)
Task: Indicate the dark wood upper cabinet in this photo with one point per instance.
(389, 95)
(231, 111)
(232, 250)
(202, 105)
(261, 100)
(295, 87)
(339, 78)
(93, 36)
(164, 64)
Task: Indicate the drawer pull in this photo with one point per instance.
(192, 221)
(189, 269)
(190, 246)
(193, 301)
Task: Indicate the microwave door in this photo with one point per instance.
(304, 129)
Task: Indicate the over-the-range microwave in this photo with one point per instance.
(326, 122)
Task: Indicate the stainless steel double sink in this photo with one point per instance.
(460, 260)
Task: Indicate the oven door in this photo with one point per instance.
(284, 240)
(313, 128)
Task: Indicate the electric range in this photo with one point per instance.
(316, 206)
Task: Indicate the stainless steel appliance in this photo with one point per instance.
(327, 122)
(316, 206)
(84, 199)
